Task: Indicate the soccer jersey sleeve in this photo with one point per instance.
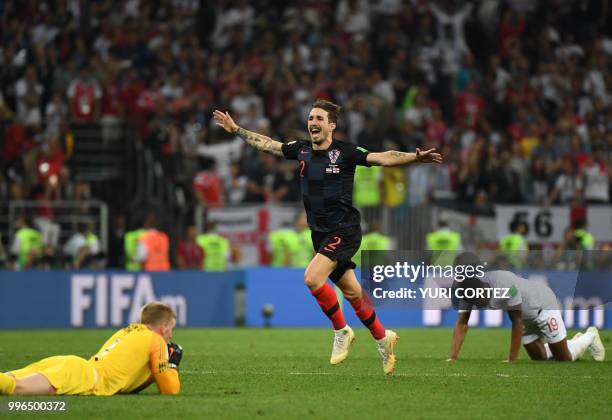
(290, 150)
(506, 284)
(356, 155)
(166, 378)
(515, 299)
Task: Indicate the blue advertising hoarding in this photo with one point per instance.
(61, 299)
(45, 299)
(295, 307)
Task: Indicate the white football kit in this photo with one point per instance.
(536, 301)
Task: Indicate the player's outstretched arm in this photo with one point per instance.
(459, 333)
(393, 158)
(258, 141)
(517, 332)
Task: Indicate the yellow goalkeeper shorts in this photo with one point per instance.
(69, 375)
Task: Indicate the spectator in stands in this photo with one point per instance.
(153, 246)
(207, 185)
(82, 246)
(246, 99)
(538, 182)
(222, 151)
(266, 183)
(111, 104)
(190, 255)
(27, 244)
(217, 248)
(567, 185)
(29, 97)
(596, 175)
(353, 16)
(172, 89)
(568, 255)
(56, 112)
(237, 187)
(85, 95)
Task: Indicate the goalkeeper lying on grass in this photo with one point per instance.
(130, 360)
(536, 320)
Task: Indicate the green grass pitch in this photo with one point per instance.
(279, 373)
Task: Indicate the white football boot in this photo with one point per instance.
(342, 342)
(385, 348)
(597, 349)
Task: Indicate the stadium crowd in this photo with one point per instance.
(515, 94)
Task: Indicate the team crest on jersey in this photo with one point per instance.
(333, 155)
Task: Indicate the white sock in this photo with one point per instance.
(578, 346)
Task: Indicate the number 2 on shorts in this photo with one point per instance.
(332, 246)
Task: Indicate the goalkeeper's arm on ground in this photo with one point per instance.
(164, 361)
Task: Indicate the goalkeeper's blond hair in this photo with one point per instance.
(155, 313)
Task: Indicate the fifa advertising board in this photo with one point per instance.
(58, 299)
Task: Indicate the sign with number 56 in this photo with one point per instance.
(544, 224)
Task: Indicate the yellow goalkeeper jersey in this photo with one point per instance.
(132, 359)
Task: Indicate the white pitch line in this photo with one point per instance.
(410, 375)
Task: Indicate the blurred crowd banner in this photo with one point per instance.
(59, 299)
(547, 224)
(247, 227)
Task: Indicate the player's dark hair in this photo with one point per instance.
(333, 110)
(154, 313)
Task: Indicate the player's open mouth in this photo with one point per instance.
(315, 130)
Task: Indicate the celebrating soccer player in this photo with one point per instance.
(533, 310)
(327, 171)
(131, 360)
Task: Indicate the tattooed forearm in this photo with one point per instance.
(260, 142)
(400, 158)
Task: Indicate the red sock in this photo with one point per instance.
(328, 301)
(365, 312)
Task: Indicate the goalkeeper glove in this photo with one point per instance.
(175, 354)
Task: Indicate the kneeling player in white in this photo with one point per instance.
(534, 312)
